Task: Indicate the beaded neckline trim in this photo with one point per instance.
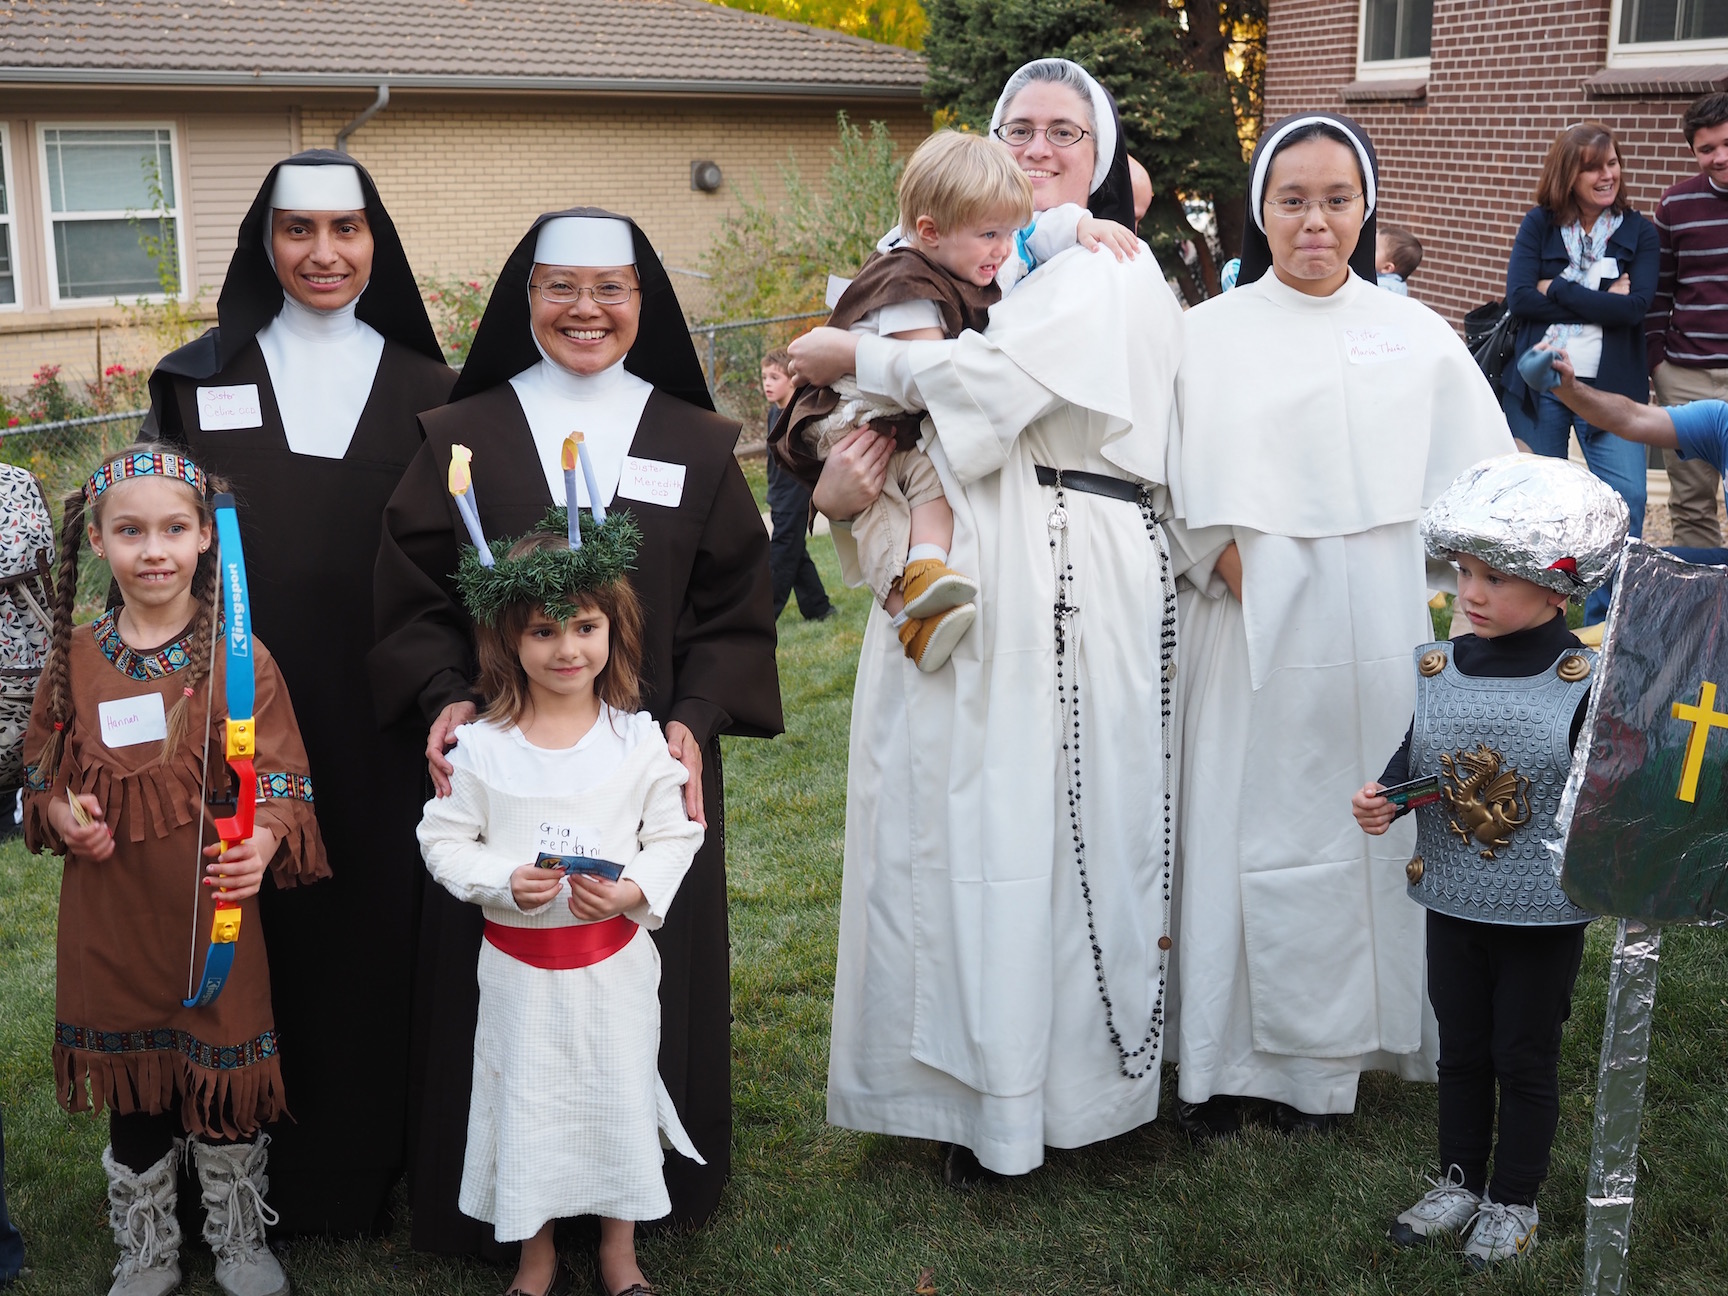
(132, 663)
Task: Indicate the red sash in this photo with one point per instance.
(559, 948)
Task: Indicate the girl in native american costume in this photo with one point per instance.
(566, 825)
(126, 738)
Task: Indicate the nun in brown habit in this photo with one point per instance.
(304, 396)
(584, 334)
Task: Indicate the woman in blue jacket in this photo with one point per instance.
(1581, 276)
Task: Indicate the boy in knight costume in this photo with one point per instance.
(1483, 765)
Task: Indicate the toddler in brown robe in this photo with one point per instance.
(965, 223)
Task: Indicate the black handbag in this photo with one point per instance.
(1490, 331)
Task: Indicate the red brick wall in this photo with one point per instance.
(1459, 168)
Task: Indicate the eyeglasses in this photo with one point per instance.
(561, 293)
(1061, 135)
(1297, 208)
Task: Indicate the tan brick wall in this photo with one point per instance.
(463, 177)
(464, 181)
(1460, 167)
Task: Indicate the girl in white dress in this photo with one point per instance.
(559, 783)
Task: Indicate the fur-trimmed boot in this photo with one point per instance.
(141, 1213)
(232, 1177)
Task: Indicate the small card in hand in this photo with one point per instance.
(1417, 792)
(585, 864)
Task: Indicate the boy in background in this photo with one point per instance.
(789, 562)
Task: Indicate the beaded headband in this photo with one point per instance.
(144, 464)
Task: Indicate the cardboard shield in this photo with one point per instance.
(1647, 807)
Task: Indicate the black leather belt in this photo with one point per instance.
(1091, 483)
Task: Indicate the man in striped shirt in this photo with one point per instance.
(1686, 331)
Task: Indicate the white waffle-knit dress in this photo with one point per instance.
(568, 1110)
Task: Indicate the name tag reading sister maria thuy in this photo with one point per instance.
(126, 722)
(226, 409)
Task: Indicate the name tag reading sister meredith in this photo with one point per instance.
(226, 409)
(126, 722)
(652, 481)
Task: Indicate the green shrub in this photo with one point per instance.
(456, 306)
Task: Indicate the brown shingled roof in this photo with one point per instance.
(646, 45)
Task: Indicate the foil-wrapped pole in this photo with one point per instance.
(1619, 1107)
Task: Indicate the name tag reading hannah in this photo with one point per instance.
(1375, 345)
(224, 409)
(126, 722)
(651, 481)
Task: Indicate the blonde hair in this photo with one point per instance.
(956, 179)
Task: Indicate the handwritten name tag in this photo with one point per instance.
(1375, 345)
(569, 839)
(223, 409)
(126, 722)
(651, 481)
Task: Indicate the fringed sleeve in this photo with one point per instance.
(285, 791)
(41, 786)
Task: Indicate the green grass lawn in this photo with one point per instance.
(816, 1209)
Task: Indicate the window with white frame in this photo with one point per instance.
(113, 211)
(8, 256)
(1644, 22)
(1668, 31)
(1395, 36)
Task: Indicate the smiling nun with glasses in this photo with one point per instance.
(1320, 414)
(584, 333)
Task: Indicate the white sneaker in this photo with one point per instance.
(1500, 1233)
(1443, 1210)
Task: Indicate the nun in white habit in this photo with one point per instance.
(1005, 912)
(1319, 415)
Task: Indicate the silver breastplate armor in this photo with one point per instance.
(1500, 749)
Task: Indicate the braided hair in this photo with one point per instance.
(206, 590)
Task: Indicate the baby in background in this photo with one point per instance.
(1397, 254)
(967, 233)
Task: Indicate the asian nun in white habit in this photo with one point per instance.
(1319, 415)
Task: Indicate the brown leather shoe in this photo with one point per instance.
(563, 1283)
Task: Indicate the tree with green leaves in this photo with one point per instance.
(1185, 74)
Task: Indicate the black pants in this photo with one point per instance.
(11, 1244)
(1501, 995)
(789, 562)
(140, 1140)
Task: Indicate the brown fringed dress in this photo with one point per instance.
(127, 939)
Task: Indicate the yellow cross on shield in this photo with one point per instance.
(1703, 718)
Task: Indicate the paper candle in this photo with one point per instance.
(462, 491)
(588, 477)
(571, 509)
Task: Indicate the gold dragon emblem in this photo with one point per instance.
(1487, 798)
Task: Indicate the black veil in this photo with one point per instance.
(252, 295)
(1256, 251)
(663, 355)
